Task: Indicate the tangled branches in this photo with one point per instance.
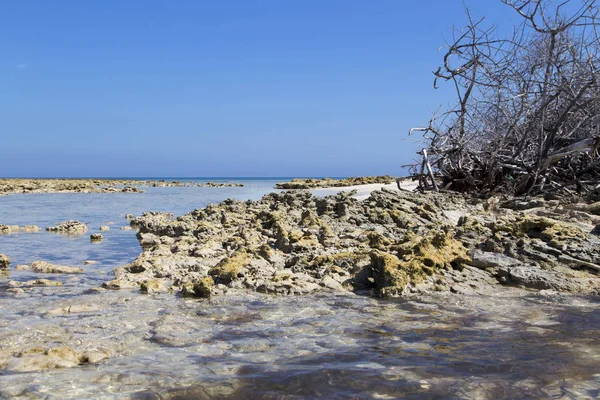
(527, 116)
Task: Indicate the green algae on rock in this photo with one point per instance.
(393, 243)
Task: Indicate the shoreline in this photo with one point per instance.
(9, 186)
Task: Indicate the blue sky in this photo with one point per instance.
(219, 88)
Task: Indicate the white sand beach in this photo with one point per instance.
(363, 191)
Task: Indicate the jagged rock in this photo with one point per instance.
(7, 229)
(48, 268)
(4, 261)
(327, 182)
(116, 284)
(35, 282)
(152, 286)
(96, 237)
(393, 243)
(71, 227)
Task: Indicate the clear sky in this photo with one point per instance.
(219, 88)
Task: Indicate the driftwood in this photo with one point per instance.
(527, 115)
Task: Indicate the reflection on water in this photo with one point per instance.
(261, 347)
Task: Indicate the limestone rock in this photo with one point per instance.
(96, 237)
(48, 268)
(152, 286)
(71, 227)
(4, 261)
(487, 259)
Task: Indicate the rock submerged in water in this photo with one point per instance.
(96, 237)
(4, 261)
(71, 227)
(8, 229)
(48, 268)
(40, 359)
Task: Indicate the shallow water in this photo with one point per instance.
(524, 345)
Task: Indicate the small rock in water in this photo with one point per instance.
(90, 262)
(4, 261)
(117, 284)
(126, 228)
(71, 227)
(7, 229)
(30, 228)
(35, 282)
(46, 267)
(96, 237)
(104, 228)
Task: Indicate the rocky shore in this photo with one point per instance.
(391, 244)
(17, 185)
(307, 183)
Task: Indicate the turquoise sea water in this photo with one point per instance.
(338, 346)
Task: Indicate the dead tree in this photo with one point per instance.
(527, 115)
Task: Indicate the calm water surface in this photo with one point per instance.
(524, 345)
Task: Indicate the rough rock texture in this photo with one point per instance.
(71, 227)
(45, 267)
(392, 243)
(11, 186)
(4, 261)
(96, 237)
(34, 283)
(15, 186)
(301, 183)
(8, 229)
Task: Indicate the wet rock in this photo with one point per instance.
(38, 359)
(96, 237)
(117, 284)
(30, 228)
(48, 268)
(74, 309)
(201, 288)
(71, 227)
(90, 262)
(152, 286)
(104, 228)
(4, 261)
(22, 267)
(34, 283)
(125, 228)
(8, 229)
